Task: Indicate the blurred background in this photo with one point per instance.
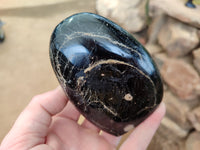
(169, 29)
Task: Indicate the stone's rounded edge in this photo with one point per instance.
(156, 77)
(55, 54)
(159, 87)
(89, 14)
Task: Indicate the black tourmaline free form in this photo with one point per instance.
(105, 72)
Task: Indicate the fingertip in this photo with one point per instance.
(141, 136)
(158, 114)
(163, 108)
(113, 140)
(59, 88)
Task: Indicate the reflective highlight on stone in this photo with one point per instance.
(105, 72)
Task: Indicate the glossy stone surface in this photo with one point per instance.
(105, 72)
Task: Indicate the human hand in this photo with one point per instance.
(49, 122)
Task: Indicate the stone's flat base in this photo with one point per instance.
(196, 61)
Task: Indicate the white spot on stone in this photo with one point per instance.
(111, 98)
(102, 74)
(128, 127)
(80, 80)
(128, 97)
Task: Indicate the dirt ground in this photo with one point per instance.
(25, 68)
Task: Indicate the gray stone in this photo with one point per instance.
(174, 112)
(196, 60)
(155, 27)
(153, 48)
(177, 38)
(178, 10)
(127, 13)
(181, 78)
(194, 117)
(160, 58)
(198, 32)
(193, 141)
(174, 128)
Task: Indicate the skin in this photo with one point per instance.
(49, 122)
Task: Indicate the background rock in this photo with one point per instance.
(169, 136)
(160, 58)
(177, 38)
(176, 110)
(194, 117)
(153, 48)
(128, 13)
(174, 129)
(182, 79)
(155, 26)
(196, 61)
(198, 32)
(193, 141)
(178, 10)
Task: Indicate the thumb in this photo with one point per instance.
(32, 125)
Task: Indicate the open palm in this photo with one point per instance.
(49, 122)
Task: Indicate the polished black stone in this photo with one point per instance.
(105, 72)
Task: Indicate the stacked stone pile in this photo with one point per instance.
(173, 39)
